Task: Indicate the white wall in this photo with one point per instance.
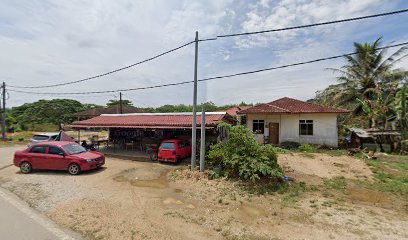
(324, 127)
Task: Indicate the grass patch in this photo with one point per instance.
(336, 183)
(391, 173)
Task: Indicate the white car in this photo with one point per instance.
(42, 138)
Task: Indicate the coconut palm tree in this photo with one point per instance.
(366, 69)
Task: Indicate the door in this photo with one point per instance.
(57, 159)
(274, 133)
(38, 157)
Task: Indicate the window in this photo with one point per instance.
(38, 149)
(258, 126)
(306, 127)
(74, 149)
(40, 137)
(55, 150)
(168, 146)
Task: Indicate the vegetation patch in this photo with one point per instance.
(241, 156)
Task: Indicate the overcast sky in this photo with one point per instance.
(48, 42)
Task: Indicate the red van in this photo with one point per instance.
(174, 150)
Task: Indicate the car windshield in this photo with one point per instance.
(168, 145)
(40, 137)
(74, 149)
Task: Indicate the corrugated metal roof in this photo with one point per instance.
(290, 105)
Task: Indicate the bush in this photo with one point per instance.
(241, 156)
(307, 148)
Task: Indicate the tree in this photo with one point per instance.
(369, 76)
(401, 108)
(44, 115)
(117, 102)
(364, 71)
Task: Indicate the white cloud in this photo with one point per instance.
(47, 42)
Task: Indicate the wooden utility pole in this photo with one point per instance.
(120, 102)
(194, 127)
(3, 113)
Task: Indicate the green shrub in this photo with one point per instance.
(307, 148)
(241, 156)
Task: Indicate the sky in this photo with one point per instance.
(48, 42)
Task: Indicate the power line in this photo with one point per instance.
(212, 39)
(212, 78)
(107, 73)
(315, 24)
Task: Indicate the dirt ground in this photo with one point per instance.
(142, 200)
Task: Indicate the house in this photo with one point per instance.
(288, 119)
(113, 109)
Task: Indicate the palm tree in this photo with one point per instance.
(367, 75)
(367, 68)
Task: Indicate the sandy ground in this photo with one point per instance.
(142, 200)
(312, 168)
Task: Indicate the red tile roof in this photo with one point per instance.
(146, 120)
(290, 105)
(234, 110)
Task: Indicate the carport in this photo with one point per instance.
(132, 134)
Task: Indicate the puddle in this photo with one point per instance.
(160, 182)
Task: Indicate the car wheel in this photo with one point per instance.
(25, 167)
(74, 169)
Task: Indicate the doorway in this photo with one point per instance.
(274, 133)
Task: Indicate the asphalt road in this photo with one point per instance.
(17, 220)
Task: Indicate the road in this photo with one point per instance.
(17, 220)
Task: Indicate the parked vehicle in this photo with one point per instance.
(42, 138)
(58, 155)
(174, 150)
(46, 137)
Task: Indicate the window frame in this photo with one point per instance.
(258, 123)
(56, 154)
(309, 127)
(42, 146)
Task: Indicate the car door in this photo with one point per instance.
(57, 159)
(181, 150)
(38, 157)
(188, 149)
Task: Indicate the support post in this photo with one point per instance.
(3, 113)
(120, 103)
(202, 151)
(194, 127)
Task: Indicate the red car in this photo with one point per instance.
(174, 150)
(58, 156)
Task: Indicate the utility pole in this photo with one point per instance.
(202, 151)
(194, 128)
(120, 102)
(3, 113)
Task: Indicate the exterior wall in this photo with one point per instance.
(324, 127)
